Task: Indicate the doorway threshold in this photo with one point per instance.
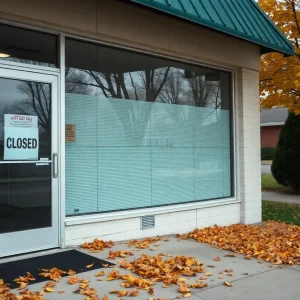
(31, 254)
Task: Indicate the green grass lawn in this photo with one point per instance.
(279, 211)
(268, 183)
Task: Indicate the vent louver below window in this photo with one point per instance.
(147, 222)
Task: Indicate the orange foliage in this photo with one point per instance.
(5, 293)
(143, 244)
(97, 245)
(274, 242)
(279, 75)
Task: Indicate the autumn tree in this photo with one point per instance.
(279, 74)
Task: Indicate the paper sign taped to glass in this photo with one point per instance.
(21, 137)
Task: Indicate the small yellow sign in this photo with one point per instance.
(70, 132)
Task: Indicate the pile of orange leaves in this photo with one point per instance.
(155, 269)
(97, 245)
(121, 253)
(143, 244)
(275, 242)
(24, 280)
(7, 294)
(55, 273)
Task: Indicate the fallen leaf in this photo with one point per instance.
(151, 291)
(49, 289)
(217, 258)
(199, 285)
(22, 285)
(71, 272)
(245, 273)
(230, 255)
(101, 273)
(183, 288)
(187, 295)
(122, 293)
(227, 283)
(89, 266)
(228, 270)
(133, 293)
(61, 292)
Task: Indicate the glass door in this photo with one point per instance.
(29, 211)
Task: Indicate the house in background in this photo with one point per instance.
(127, 119)
(271, 122)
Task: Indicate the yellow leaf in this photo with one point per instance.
(183, 288)
(187, 295)
(71, 272)
(89, 266)
(133, 293)
(49, 289)
(22, 285)
(101, 273)
(122, 293)
(227, 283)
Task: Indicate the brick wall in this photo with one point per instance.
(269, 136)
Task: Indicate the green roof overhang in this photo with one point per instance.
(243, 19)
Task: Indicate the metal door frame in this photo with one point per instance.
(40, 237)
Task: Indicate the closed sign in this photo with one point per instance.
(21, 137)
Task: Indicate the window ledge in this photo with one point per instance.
(102, 217)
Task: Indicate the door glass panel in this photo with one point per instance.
(25, 196)
(25, 154)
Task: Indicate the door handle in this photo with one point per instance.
(55, 165)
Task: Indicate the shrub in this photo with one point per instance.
(267, 153)
(286, 163)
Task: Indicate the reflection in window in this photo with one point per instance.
(149, 131)
(28, 46)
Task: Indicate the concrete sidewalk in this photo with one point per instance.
(262, 281)
(281, 197)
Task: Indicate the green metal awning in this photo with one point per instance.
(240, 18)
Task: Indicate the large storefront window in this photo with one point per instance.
(144, 131)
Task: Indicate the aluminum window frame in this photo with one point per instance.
(233, 129)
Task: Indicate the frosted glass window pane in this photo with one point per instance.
(172, 175)
(124, 178)
(81, 111)
(81, 180)
(122, 123)
(172, 125)
(149, 131)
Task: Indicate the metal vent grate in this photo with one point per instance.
(147, 222)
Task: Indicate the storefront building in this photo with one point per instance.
(127, 119)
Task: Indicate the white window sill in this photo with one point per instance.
(111, 216)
